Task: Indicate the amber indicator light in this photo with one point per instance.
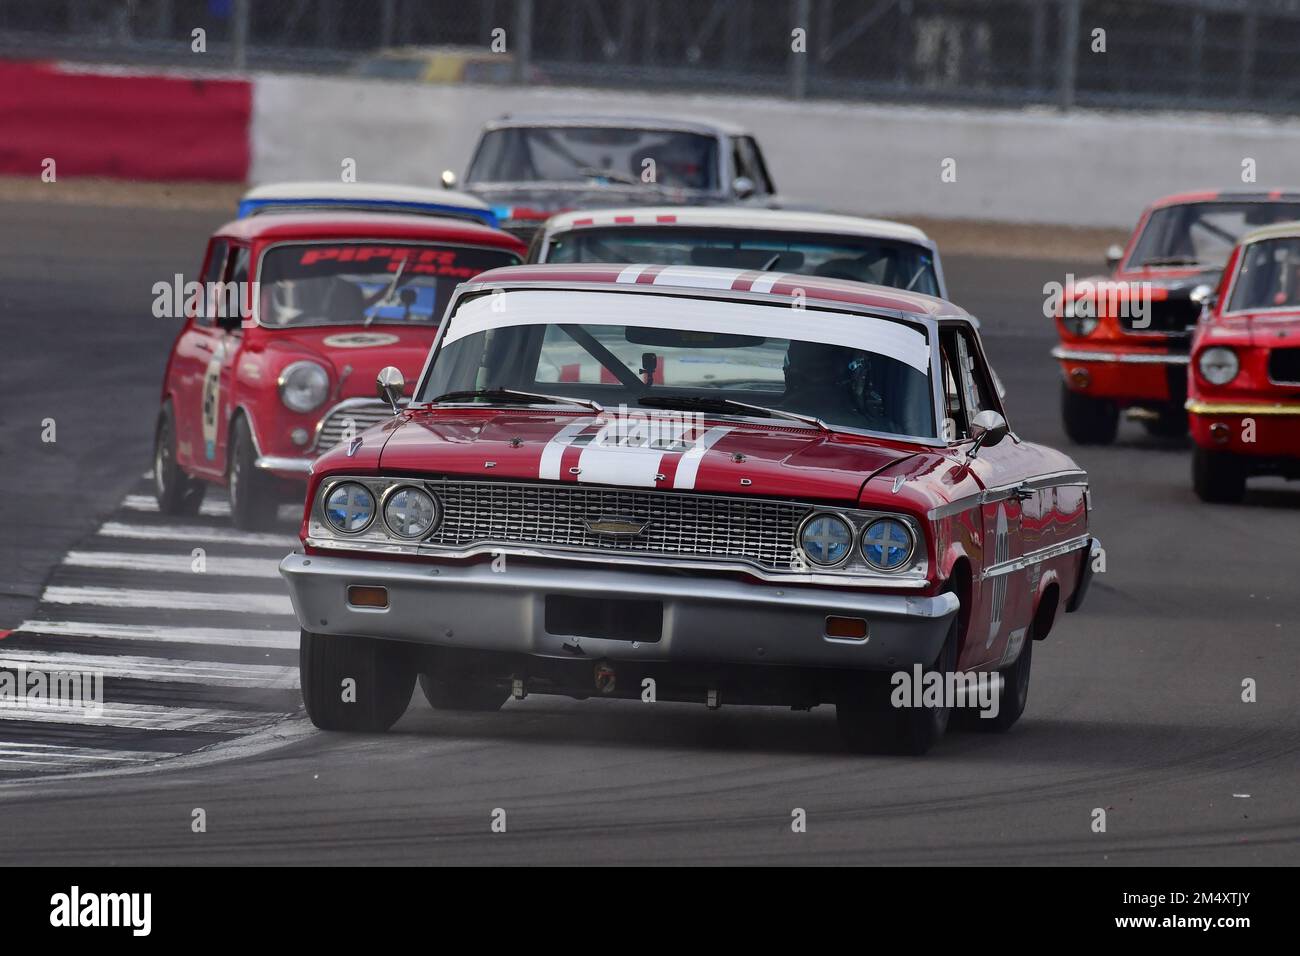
(361, 596)
(852, 628)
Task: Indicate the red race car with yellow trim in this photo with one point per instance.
(1124, 337)
(294, 316)
(1244, 394)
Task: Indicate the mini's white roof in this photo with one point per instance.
(739, 217)
(374, 192)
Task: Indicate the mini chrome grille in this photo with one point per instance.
(361, 414)
(679, 525)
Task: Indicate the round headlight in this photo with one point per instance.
(887, 544)
(826, 539)
(303, 386)
(1078, 317)
(410, 512)
(1218, 365)
(349, 507)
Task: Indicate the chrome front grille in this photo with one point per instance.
(362, 413)
(677, 525)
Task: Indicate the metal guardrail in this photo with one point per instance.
(1208, 54)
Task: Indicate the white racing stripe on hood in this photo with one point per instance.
(689, 466)
(553, 453)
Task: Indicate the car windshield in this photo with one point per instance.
(880, 261)
(1203, 233)
(660, 351)
(1268, 276)
(579, 154)
(365, 283)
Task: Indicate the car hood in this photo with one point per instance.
(1176, 282)
(719, 456)
(353, 355)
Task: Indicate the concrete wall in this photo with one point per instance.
(1089, 169)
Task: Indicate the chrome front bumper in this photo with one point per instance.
(705, 620)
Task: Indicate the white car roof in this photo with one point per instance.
(375, 192)
(692, 124)
(738, 217)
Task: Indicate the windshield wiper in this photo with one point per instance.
(591, 172)
(710, 403)
(1172, 261)
(510, 394)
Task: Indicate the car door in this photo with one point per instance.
(1009, 508)
(193, 354)
(219, 399)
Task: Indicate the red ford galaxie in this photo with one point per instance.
(1244, 395)
(295, 315)
(691, 484)
(1125, 337)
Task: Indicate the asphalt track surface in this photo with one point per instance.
(1135, 704)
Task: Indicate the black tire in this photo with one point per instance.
(1088, 420)
(1218, 477)
(383, 674)
(1170, 423)
(253, 496)
(868, 723)
(1013, 695)
(177, 492)
(462, 694)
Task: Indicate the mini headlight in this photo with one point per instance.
(349, 507)
(887, 544)
(410, 512)
(303, 386)
(1218, 365)
(826, 539)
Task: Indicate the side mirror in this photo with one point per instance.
(390, 384)
(988, 428)
(1114, 253)
(448, 179)
(742, 187)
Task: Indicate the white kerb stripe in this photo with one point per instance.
(141, 716)
(215, 566)
(156, 668)
(150, 633)
(170, 600)
(630, 274)
(193, 534)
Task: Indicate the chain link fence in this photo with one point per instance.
(1200, 54)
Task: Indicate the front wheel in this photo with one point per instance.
(1088, 420)
(354, 684)
(1013, 692)
(1217, 477)
(177, 493)
(869, 722)
(253, 500)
